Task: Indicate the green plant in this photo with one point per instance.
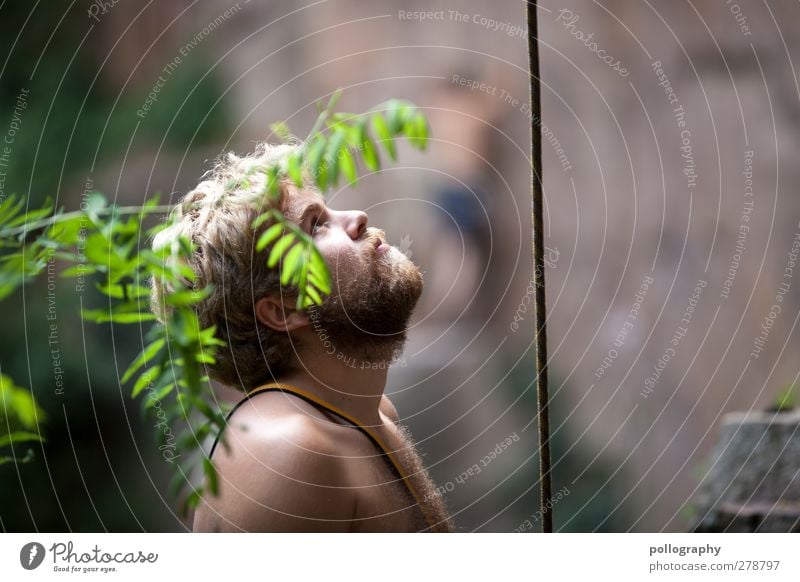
(786, 399)
(102, 243)
(20, 418)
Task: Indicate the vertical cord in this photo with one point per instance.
(538, 273)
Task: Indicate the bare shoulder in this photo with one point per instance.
(282, 470)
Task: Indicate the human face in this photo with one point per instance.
(374, 286)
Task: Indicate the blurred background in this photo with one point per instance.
(670, 146)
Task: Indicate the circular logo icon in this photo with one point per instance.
(31, 555)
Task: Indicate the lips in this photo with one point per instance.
(378, 241)
(380, 246)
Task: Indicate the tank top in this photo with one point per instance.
(369, 433)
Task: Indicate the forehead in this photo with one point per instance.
(299, 200)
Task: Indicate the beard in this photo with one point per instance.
(366, 315)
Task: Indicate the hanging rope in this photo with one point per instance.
(538, 274)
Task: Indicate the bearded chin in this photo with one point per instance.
(367, 316)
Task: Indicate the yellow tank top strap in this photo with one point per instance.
(361, 426)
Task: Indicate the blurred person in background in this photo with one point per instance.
(465, 114)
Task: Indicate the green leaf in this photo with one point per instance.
(79, 270)
(289, 266)
(178, 482)
(417, 131)
(102, 252)
(204, 358)
(186, 247)
(786, 399)
(68, 231)
(19, 437)
(9, 208)
(269, 235)
(369, 152)
(208, 337)
(273, 184)
(187, 297)
(280, 247)
(315, 297)
(159, 395)
(203, 407)
(332, 156)
(393, 116)
(321, 284)
(335, 96)
(145, 379)
(122, 290)
(143, 358)
(262, 218)
(382, 131)
(348, 165)
(31, 216)
(192, 500)
(295, 165)
(315, 162)
(18, 404)
(280, 129)
(211, 474)
(104, 316)
(95, 206)
(318, 265)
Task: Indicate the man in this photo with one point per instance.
(322, 450)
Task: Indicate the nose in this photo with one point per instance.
(356, 223)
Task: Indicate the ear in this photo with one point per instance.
(280, 314)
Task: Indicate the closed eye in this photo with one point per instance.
(312, 215)
(317, 223)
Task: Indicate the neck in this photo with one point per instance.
(353, 385)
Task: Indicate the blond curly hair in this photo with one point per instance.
(217, 216)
